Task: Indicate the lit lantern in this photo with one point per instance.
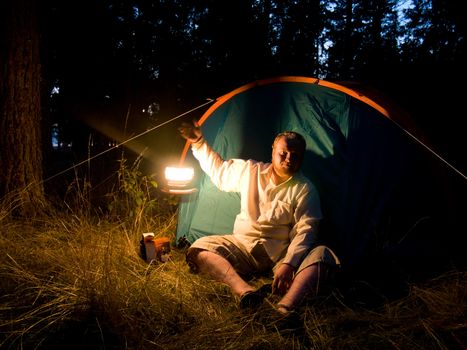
(178, 180)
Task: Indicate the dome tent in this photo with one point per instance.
(371, 176)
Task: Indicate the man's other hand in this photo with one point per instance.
(283, 278)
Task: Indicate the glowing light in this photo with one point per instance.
(179, 177)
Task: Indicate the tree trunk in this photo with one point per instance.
(20, 106)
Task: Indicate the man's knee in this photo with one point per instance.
(192, 260)
(320, 254)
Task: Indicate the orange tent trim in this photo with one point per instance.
(283, 79)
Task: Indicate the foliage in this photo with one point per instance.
(171, 53)
(136, 199)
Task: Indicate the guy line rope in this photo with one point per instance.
(209, 101)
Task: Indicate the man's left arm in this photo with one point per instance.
(303, 235)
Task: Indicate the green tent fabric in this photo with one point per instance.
(357, 154)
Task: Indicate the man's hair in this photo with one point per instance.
(292, 135)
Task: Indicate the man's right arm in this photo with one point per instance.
(226, 175)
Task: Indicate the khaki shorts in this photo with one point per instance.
(256, 261)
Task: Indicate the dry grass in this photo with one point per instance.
(75, 282)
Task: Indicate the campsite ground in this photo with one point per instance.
(75, 280)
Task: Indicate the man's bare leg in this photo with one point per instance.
(221, 270)
(306, 282)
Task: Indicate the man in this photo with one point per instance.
(276, 229)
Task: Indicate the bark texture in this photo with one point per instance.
(20, 105)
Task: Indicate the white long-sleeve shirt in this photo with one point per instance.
(283, 217)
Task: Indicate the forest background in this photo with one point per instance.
(79, 78)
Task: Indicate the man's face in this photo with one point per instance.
(286, 157)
